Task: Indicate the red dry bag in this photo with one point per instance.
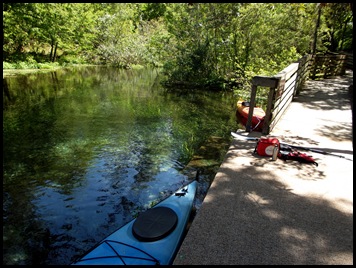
(265, 146)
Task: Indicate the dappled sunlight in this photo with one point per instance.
(337, 132)
(335, 258)
(293, 234)
(301, 243)
(321, 110)
(258, 200)
(272, 214)
(343, 205)
(288, 211)
(326, 94)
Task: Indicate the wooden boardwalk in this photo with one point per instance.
(263, 212)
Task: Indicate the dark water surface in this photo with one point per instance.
(86, 149)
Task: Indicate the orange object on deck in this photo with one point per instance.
(258, 116)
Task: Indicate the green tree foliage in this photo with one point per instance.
(236, 40)
(116, 45)
(200, 44)
(199, 32)
(129, 34)
(45, 28)
(337, 19)
(17, 28)
(151, 11)
(269, 33)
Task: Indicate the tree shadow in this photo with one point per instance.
(289, 228)
(331, 94)
(250, 218)
(326, 94)
(337, 132)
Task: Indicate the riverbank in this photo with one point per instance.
(10, 72)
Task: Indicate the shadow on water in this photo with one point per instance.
(86, 149)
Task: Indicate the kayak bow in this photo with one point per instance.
(258, 116)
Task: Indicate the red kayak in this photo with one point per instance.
(243, 108)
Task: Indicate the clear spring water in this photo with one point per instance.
(85, 149)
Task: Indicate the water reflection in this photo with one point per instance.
(86, 149)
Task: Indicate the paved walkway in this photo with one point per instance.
(263, 212)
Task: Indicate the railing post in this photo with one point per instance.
(303, 73)
(342, 59)
(252, 105)
(314, 64)
(270, 105)
(264, 81)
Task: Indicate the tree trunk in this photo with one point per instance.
(55, 53)
(316, 30)
(235, 51)
(50, 55)
(343, 34)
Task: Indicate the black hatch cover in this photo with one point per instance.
(154, 224)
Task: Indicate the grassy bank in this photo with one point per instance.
(32, 67)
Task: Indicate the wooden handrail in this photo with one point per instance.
(285, 85)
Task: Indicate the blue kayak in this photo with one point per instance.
(153, 238)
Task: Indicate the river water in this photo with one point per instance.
(86, 149)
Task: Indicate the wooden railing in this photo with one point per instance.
(349, 60)
(324, 66)
(285, 85)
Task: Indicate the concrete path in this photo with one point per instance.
(263, 212)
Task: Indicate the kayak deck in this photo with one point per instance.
(114, 252)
